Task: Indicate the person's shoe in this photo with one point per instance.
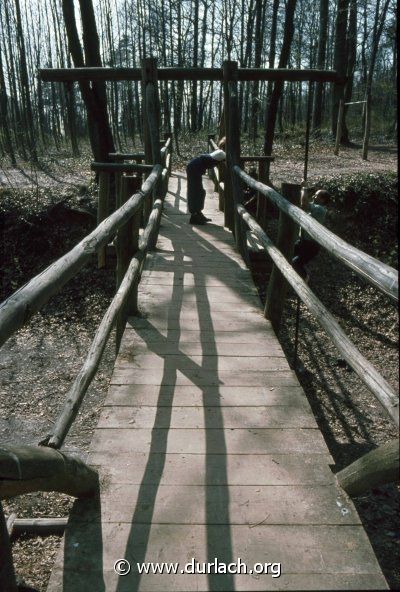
(204, 217)
(198, 218)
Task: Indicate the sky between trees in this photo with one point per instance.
(361, 43)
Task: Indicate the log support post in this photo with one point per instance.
(232, 184)
(7, 574)
(262, 203)
(151, 124)
(126, 246)
(103, 212)
(168, 136)
(228, 69)
(221, 187)
(211, 172)
(133, 184)
(287, 234)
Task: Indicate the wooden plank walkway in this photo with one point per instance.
(206, 445)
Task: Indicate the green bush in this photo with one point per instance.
(367, 205)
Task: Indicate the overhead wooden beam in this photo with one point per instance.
(291, 75)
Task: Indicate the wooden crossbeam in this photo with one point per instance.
(120, 167)
(292, 75)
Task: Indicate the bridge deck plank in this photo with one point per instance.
(206, 445)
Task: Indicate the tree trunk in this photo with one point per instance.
(4, 115)
(321, 57)
(25, 87)
(193, 105)
(257, 64)
(340, 58)
(94, 94)
(278, 86)
(351, 61)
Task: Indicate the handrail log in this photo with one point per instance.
(120, 167)
(365, 370)
(25, 302)
(24, 469)
(36, 526)
(261, 158)
(86, 374)
(126, 155)
(294, 75)
(375, 468)
(379, 274)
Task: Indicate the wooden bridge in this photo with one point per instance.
(206, 450)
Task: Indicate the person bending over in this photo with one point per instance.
(306, 248)
(195, 191)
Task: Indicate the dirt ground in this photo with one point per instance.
(38, 364)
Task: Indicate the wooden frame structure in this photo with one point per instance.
(367, 125)
(138, 200)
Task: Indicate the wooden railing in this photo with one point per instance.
(378, 274)
(381, 465)
(25, 469)
(131, 249)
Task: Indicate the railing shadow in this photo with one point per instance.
(354, 424)
(83, 546)
(139, 534)
(218, 540)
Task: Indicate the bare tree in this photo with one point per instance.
(94, 95)
(278, 86)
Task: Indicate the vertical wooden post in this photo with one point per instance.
(7, 575)
(228, 189)
(151, 123)
(168, 136)
(233, 154)
(287, 234)
(126, 245)
(117, 184)
(211, 172)
(367, 128)
(339, 127)
(221, 192)
(103, 212)
(134, 184)
(262, 201)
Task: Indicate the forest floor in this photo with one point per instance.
(44, 213)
